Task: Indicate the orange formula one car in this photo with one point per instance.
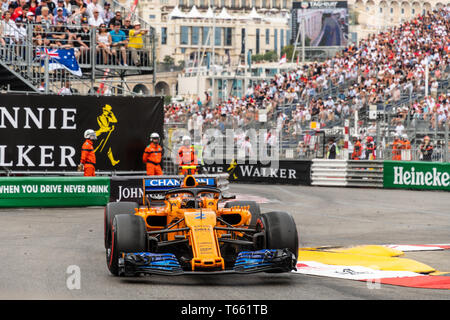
(191, 231)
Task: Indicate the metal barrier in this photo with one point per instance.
(347, 173)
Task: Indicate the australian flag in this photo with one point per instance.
(59, 59)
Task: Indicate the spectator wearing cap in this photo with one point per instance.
(59, 17)
(119, 42)
(107, 14)
(60, 5)
(20, 36)
(116, 19)
(30, 18)
(96, 20)
(136, 42)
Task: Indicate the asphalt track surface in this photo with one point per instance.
(37, 246)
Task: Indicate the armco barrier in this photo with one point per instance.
(347, 173)
(417, 175)
(54, 191)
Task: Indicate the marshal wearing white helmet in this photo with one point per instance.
(153, 155)
(88, 160)
(154, 137)
(90, 134)
(187, 157)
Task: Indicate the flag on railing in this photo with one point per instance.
(60, 59)
(283, 59)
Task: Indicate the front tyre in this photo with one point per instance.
(280, 231)
(128, 234)
(111, 210)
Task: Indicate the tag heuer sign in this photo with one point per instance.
(417, 175)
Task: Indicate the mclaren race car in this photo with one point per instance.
(195, 228)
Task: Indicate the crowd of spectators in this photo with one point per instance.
(432, 111)
(381, 69)
(62, 24)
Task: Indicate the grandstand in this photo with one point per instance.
(400, 75)
(31, 32)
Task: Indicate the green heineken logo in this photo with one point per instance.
(421, 177)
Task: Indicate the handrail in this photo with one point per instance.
(21, 60)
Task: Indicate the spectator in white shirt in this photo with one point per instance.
(65, 90)
(399, 128)
(247, 148)
(91, 8)
(9, 28)
(95, 20)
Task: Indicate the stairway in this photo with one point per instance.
(10, 81)
(21, 71)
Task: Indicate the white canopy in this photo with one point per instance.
(224, 14)
(194, 13)
(176, 13)
(209, 14)
(253, 14)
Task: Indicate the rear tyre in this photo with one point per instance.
(254, 210)
(129, 234)
(280, 231)
(111, 210)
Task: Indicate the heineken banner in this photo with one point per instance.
(40, 132)
(416, 175)
(284, 172)
(53, 191)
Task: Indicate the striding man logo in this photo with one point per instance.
(106, 122)
(232, 169)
